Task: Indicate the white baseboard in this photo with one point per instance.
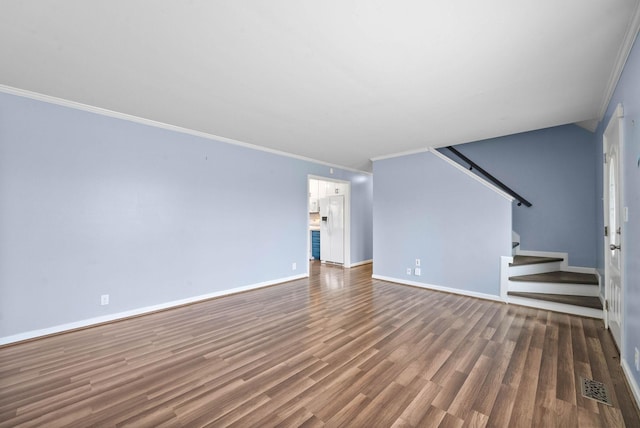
(440, 288)
(139, 311)
(628, 373)
(364, 262)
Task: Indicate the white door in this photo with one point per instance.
(613, 225)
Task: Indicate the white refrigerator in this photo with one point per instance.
(332, 229)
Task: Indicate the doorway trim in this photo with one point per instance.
(615, 126)
(347, 215)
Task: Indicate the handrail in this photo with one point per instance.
(490, 177)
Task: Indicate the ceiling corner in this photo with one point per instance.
(623, 53)
(589, 125)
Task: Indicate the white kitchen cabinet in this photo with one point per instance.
(320, 189)
(333, 188)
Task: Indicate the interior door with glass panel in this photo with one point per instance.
(613, 227)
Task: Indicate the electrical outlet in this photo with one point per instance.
(294, 266)
(408, 271)
(417, 272)
(417, 262)
(104, 299)
(637, 358)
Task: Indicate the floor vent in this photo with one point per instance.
(595, 390)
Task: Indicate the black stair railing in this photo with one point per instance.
(491, 178)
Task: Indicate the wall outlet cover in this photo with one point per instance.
(417, 272)
(408, 271)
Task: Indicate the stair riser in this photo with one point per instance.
(557, 307)
(535, 268)
(554, 288)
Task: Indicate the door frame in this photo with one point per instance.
(347, 215)
(615, 121)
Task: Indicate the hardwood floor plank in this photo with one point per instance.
(415, 411)
(566, 414)
(335, 349)
(503, 406)
(462, 405)
(548, 372)
(432, 418)
(523, 409)
(566, 385)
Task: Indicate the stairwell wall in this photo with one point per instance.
(553, 169)
(424, 208)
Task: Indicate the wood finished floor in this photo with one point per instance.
(338, 349)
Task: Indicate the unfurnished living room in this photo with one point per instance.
(295, 213)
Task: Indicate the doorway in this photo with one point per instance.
(320, 188)
(613, 260)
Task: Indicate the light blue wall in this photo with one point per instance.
(425, 208)
(553, 169)
(93, 205)
(627, 92)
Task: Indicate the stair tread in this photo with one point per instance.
(532, 260)
(561, 277)
(584, 301)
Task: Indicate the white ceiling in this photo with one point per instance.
(338, 81)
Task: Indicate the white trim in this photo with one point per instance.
(140, 311)
(399, 154)
(580, 269)
(589, 125)
(631, 381)
(136, 119)
(564, 264)
(556, 307)
(364, 262)
(590, 290)
(616, 119)
(544, 254)
(472, 175)
(605, 312)
(504, 276)
(440, 288)
(621, 60)
(533, 269)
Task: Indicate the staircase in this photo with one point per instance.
(545, 281)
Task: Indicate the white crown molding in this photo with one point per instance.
(400, 154)
(589, 125)
(131, 118)
(623, 54)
